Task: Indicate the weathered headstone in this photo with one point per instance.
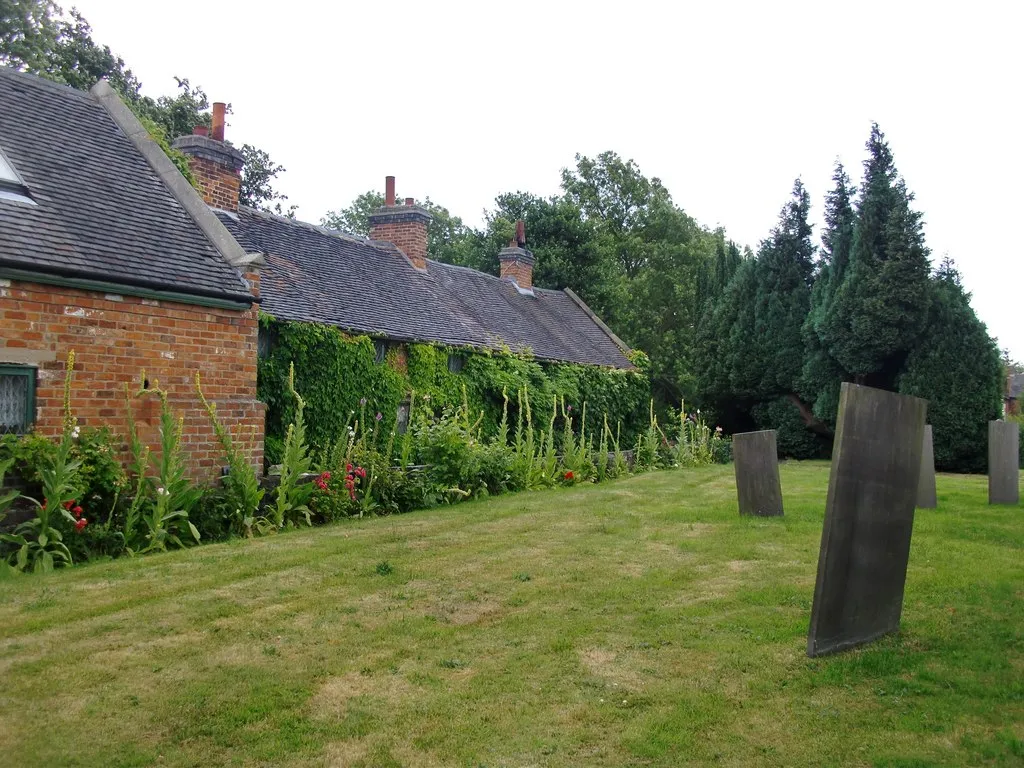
(926, 496)
(869, 516)
(1003, 462)
(756, 462)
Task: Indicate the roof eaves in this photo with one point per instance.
(600, 323)
(169, 174)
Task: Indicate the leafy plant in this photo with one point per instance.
(242, 485)
(38, 545)
(291, 495)
(7, 498)
(166, 519)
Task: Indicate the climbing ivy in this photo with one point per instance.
(340, 381)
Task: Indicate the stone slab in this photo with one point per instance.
(926, 495)
(1003, 462)
(869, 517)
(756, 463)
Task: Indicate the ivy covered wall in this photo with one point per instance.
(335, 371)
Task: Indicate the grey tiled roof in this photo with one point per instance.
(314, 274)
(1014, 385)
(101, 211)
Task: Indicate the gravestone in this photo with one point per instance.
(756, 462)
(1003, 462)
(926, 496)
(869, 516)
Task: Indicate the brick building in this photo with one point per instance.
(105, 249)
(386, 287)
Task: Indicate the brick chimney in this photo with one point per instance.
(216, 165)
(517, 262)
(404, 226)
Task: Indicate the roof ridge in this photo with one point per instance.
(338, 233)
(45, 82)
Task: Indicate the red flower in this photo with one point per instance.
(69, 504)
(569, 475)
(348, 468)
(360, 472)
(77, 511)
(82, 522)
(321, 482)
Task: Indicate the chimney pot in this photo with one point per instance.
(200, 130)
(520, 233)
(219, 109)
(405, 229)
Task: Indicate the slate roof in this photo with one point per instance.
(320, 275)
(1014, 385)
(101, 211)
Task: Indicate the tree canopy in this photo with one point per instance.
(36, 36)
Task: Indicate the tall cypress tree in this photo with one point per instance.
(822, 374)
(956, 367)
(881, 303)
(785, 266)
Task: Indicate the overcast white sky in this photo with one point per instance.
(726, 102)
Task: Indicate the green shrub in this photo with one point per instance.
(243, 493)
(38, 544)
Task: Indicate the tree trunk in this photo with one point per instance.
(812, 422)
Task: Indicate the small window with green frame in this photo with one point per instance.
(17, 398)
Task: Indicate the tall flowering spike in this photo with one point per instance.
(299, 402)
(69, 420)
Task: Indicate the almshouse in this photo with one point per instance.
(107, 250)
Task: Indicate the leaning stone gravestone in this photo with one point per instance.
(1003, 462)
(756, 462)
(926, 496)
(869, 516)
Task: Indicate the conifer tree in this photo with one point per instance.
(822, 374)
(881, 302)
(956, 367)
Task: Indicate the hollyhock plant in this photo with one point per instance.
(321, 482)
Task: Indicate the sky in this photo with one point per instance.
(726, 102)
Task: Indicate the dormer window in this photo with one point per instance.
(11, 185)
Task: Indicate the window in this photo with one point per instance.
(380, 348)
(17, 398)
(402, 422)
(11, 185)
(266, 340)
(455, 363)
(7, 173)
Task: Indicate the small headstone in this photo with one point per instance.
(756, 462)
(1003, 462)
(926, 496)
(869, 516)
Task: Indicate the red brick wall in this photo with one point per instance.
(220, 184)
(409, 236)
(115, 338)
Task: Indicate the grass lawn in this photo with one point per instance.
(641, 622)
